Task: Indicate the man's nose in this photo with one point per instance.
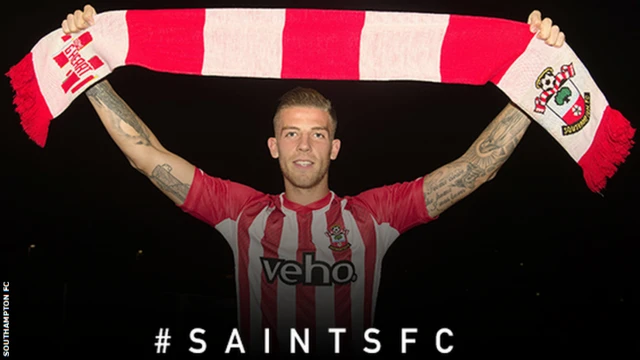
(304, 143)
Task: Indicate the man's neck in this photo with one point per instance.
(305, 196)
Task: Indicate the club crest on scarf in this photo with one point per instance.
(78, 65)
(338, 237)
(562, 97)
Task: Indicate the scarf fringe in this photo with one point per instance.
(610, 148)
(28, 100)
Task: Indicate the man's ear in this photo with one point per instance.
(273, 147)
(335, 149)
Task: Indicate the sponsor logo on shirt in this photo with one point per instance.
(309, 272)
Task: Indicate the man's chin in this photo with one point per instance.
(304, 182)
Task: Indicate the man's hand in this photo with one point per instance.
(545, 28)
(170, 173)
(79, 20)
(454, 181)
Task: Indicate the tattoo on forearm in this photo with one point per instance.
(103, 95)
(162, 176)
(449, 184)
(469, 177)
(499, 140)
(452, 182)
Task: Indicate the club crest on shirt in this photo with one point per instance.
(338, 237)
(561, 96)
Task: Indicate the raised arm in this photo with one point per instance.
(170, 173)
(452, 182)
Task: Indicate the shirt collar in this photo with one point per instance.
(319, 204)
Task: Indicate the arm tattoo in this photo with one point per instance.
(162, 176)
(499, 140)
(452, 182)
(449, 184)
(104, 95)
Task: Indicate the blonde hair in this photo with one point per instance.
(300, 96)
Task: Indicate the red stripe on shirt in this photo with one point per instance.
(342, 292)
(244, 239)
(269, 292)
(305, 294)
(367, 230)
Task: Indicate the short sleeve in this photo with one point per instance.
(214, 200)
(400, 205)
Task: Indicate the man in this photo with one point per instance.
(307, 258)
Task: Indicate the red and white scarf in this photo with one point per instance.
(551, 84)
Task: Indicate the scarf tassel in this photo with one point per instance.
(611, 146)
(28, 100)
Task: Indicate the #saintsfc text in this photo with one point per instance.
(300, 342)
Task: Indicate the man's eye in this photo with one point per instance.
(291, 133)
(319, 135)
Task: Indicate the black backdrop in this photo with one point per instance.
(531, 263)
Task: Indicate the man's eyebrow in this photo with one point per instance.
(297, 128)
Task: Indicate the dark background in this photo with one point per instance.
(533, 263)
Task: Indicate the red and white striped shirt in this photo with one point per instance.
(316, 266)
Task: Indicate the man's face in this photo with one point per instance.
(304, 146)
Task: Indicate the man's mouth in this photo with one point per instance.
(303, 163)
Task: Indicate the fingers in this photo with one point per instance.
(65, 27)
(546, 30)
(69, 24)
(535, 19)
(78, 17)
(553, 36)
(89, 14)
(79, 20)
(560, 41)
